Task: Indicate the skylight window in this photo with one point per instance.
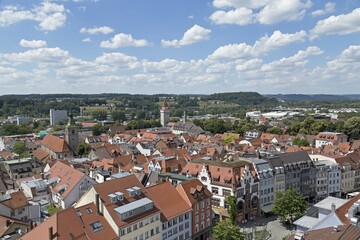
(96, 226)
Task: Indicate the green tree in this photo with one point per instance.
(225, 230)
(99, 115)
(232, 209)
(20, 149)
(301, 142)
(352, 126)
(99, 129)
(83, 149)
(118, 115)
(275, 130)
(289, 205)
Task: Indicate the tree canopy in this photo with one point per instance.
(289, 205)
(225, 230)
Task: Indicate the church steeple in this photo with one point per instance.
(71, 133)
(164, 113)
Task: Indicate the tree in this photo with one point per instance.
(275, 130)
(83, 149)
(232, 209)
(118, 115)
(20, 149)
(99, 115)
(99, 129)
(352, 126)
(225, 230)
(289, 205)
(301, 142)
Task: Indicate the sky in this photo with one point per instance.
(179, 46)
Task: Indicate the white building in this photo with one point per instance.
(266, 184)
(57, 116)
(328, 182)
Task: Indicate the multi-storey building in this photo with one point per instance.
(349, 169)
(198, 198)
(57, 116)
(300, 173)
(237, 178)
(176, 214)
(127, 207)
(328, 181)
(266, 184)
(329, 138)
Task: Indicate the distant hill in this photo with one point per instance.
(243, 98)
(314, 97)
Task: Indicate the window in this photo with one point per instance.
(208, 202)
(174, 221)
(197, 228)
(196, 207)
(186, 215)
(164, 236)
(181, 218)
(181, 227)
(135, 226)
(187, 224)
(129, 229)
(96, 226)
(202, 205)
(196, 218)
(122, 232)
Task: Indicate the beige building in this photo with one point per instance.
(126, 206)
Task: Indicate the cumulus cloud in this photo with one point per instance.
(239, 16)
(264, 45)
(32, 43)
(97, 30)
(329, 8)
(50, 16)
(194, 35)
(86, 40)
(124, 40)
(253, 4)
(43, 55)
(267, 12)
(283, 10)
(340, 25)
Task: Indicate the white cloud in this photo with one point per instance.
(195, 34)
(340, 24)
(43, 55)
(97, 30)
(124, 40)
(283, 10)
(86, 40)
(50, 16)
(253, 4)
(263, 45)
(277, 40)
(329, 8)
(239, 16)
(32, 43)
(11, 15)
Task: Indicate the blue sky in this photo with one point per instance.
(173, 46)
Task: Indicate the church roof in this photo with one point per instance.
(55, 144)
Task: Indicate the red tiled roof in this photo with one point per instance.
(73, 223)
(55, 144)
(17, 200)
(168, 200)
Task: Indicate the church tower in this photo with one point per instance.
(72, 134)
(164, 114)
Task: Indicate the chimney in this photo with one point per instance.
(333, 207)
(97, 202)
(8, 222)
(50, 233)
(335, 229)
